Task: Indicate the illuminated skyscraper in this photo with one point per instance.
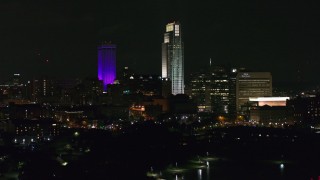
(172, 58)
(107, 64)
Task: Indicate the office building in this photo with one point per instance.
(214, 90)
(200, 85)
(107, 64)
(172, 57)
(42, 90)
(270, 111)
(306, 110)
(233, 90)
(219, 92)
(252, 84)
(270, 101)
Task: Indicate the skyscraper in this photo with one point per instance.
(219, 89)
(107, 64)
(172, 58)
(214, 90)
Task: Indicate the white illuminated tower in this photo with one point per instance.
(172, 58)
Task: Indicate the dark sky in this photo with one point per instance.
(277, 36)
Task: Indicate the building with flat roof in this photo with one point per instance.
(252, 84)
(270, 101)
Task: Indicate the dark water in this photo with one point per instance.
(259, 170)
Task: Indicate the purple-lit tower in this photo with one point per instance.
(107, 64)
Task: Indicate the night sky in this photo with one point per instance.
(59, 37)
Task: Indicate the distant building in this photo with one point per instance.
(146, 84)
(306, 109)
(214, 90)
(200, 91)
(233, 90)
(271, 115)
(270, 111)
(220, 90)
(107, 64)
(172, 57)
(28, 131)
(252, 84)
(270, 101)
(42, 90)
(87, 92)
(13, 91)
(16, 80)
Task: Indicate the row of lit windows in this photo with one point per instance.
(22, 125)
(219, 89)
(253, 91)
(220, 80)
(314, 109)
(254, 85)
(248, 80)
(220, 94)
(312, 102)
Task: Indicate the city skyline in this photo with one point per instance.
(162, 89)
(271, 36)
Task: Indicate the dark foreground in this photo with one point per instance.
(150, 151)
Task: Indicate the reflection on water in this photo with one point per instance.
(199, 174)
(210, 167)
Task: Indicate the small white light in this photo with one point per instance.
(281, 166)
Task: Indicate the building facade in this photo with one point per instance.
(252, 84)
(215, 90)
(306, 110)
(172, 57)
(107, 64)
(220, 90)
(200, 91)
